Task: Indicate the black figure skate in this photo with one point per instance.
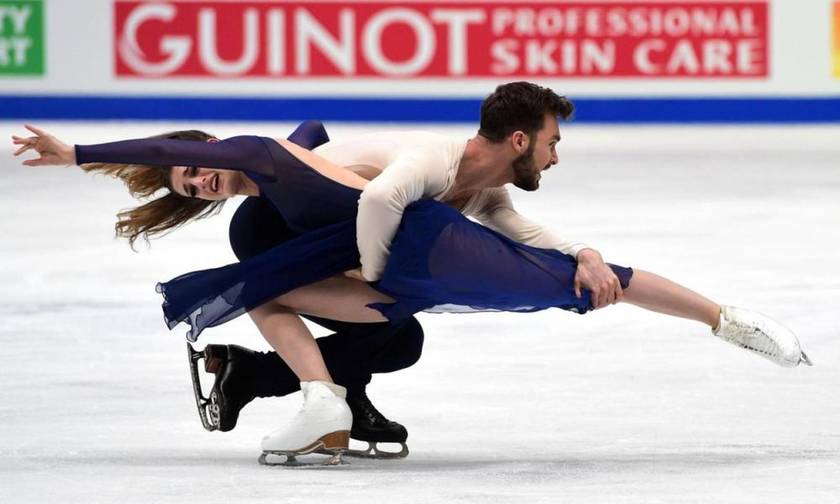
(231, 390)
(371, 426)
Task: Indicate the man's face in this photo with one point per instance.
(540, 155)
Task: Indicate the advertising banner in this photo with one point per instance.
(21, 37)
(835, 46)
(428, 39)
(623, 61)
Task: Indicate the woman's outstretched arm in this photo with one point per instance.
(243, 153)
(54, 152)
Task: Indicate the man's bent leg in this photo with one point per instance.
(359, 351)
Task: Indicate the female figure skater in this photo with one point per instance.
(437, 259)
(353, 353)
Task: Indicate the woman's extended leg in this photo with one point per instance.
(661, 295)
(746, 329)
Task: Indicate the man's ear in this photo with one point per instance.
(212, 140)
(519, 141)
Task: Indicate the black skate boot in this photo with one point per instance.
(231, 389)
(371, 426)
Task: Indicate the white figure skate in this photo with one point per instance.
(760, 335)
(321, 426)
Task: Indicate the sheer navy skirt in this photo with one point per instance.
(440, 261)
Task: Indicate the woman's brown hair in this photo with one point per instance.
(161, 214)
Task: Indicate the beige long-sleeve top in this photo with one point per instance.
(415, 165)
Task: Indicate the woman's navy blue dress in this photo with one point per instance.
(439, 261)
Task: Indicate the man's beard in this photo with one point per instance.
(525, 173)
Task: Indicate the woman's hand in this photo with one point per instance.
(53, 152)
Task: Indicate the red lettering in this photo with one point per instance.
(301, 39)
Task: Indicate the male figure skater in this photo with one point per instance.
(515, 143)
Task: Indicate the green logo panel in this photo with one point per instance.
(21, 37)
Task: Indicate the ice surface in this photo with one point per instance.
(616, 406)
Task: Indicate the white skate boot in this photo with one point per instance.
(760, 335)
(321, 426)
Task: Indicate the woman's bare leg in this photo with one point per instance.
(336, 298)
(323, 417)
(743, 328)
(345, 299)
(661, 295)
(291, 339)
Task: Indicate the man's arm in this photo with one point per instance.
(497, 213)
(412, 175)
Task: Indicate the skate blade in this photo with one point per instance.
(208, 411)
(804, 359)
(333, 444)
(290, 460)
(373, 452)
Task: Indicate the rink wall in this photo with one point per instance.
(621, 61)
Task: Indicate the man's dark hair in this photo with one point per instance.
(520, 106)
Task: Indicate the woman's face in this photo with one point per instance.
(212, 184)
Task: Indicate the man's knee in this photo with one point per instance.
(408, 344)
(384, 347)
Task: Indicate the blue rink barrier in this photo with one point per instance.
(741, 110)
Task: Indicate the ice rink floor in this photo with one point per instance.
(618, 406)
